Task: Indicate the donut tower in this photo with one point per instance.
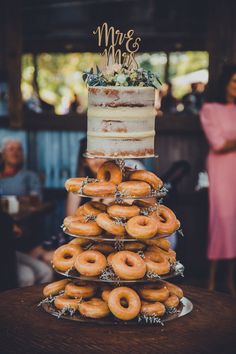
(118, 260)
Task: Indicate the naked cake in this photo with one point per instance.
(121, 121)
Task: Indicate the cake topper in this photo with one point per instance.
(118, 47)
(121, 68)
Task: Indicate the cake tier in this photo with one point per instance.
(121, 121)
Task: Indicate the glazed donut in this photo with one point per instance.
(143, 204)
(134, 189)
(94, 208)
(80, 290)
(108, 224)
(64, 257)
(110, 257)
(55, 287)
(162, 243)
(110, 172)
(64, 301)
(69, 219)
(124, 211)
(156, 263)
(178, 224)
(170, 255)
(80, 241)
(133, 303)
(94, 308)
(103, 247)
(141, 227)
(154, 292)
(105, 296)
(172, 301)
(84, 228)
(80, 211)
(167, 222)
(99, 189)
(105, 293)
(134, 246)
(128, 265)
(153, 308)
(146, 176)
(90, 263)
(174, 289)
(74, 184)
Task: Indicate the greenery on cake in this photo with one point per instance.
(121, 75)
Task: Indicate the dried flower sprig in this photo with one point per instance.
(66, 310)
(108, 274)
(180, 231)
(150, 319)
(152, 275)
(118, 220)
(119, 245)
(89, 217)
(171, 310)
(178, 268)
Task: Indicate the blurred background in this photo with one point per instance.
(45, 47)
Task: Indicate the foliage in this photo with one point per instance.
(120, 75)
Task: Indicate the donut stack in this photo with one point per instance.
(117, 262)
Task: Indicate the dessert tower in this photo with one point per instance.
(117, 266)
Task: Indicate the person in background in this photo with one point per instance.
(75, 104)
(15, 180)
(193, 101)
(218, 120)
(168, 101)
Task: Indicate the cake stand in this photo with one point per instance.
(109, 277)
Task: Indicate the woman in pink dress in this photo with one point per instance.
(218, 120)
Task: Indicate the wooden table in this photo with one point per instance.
(25, 328)
(26, 213)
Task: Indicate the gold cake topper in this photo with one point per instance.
(118, 47)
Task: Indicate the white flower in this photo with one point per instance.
(133, 76)
(121, 78)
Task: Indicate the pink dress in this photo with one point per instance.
(219, 124)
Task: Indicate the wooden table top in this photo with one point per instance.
(27, 212)
(26, 328)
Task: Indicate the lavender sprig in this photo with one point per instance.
(150, 319)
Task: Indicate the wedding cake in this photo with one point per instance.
(121, 121)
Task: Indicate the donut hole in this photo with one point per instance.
(129, 262)
(67, 256)
(91, 261)
(107, 176)
(124, 303)
(143, 223)
(162, 218)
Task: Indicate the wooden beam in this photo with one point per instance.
(221, 39)
(11, 34)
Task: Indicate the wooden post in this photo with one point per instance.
(221, 41)
(10, 57)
